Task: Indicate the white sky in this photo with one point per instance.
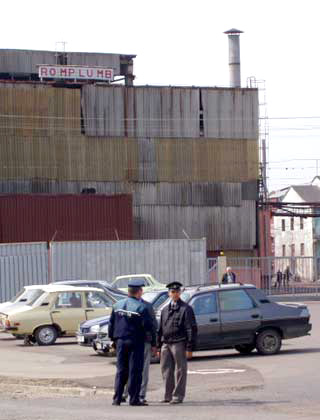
(181, 42)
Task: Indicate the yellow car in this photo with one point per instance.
(57, 312)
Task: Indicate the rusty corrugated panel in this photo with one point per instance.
(224, 227)
(205, 160)
(141, 111)
(230, 113)
(81, 158)
(35, 110)
(32, 218)
(144, 193)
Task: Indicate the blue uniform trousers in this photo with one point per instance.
(129, 369)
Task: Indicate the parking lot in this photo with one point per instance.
(229, 382)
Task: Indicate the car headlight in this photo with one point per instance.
(94, 328)
(305, 313)
(104, 329)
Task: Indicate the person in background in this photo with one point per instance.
(176, 340)
(129, 326)
(228, 277)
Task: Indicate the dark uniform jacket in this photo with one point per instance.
(131, 319)
(225, 278)
(178, 324)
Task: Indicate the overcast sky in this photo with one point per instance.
(182, 43)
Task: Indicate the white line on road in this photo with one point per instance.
(214, 371)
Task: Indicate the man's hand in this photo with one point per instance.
(189, 355)
(154, 351)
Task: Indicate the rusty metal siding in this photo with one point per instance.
(33, 110)
(26, 61)
(31, 218)
(80, 158)
(141, 111)
(207, 160)
(145, 193)
(230, 113)
(224, 227)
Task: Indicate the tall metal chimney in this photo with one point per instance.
(234, 57)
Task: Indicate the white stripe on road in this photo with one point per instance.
(214, 371)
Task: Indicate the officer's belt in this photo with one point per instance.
(124, 312)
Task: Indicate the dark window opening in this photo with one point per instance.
(201, 122)
(62, 59)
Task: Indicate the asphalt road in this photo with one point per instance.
(69, 382)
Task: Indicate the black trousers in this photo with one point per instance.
(129, 369)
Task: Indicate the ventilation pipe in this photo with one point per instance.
(234, 57)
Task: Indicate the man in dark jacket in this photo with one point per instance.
(130, 326)
(229, 276)
(176, 338)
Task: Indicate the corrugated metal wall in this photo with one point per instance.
(26, 61)
(170, 112)
(148, 193)
(22, 264)
(170, 166)
(224, 227)
(31, 218)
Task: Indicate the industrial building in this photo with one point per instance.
(188, 155)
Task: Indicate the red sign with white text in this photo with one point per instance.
(75, 73)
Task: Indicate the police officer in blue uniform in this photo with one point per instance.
(130, 326)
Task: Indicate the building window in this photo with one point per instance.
(292, 223)
(283, 250)
(293, 250)
(283, 225)
(302, 250)
(301, 223)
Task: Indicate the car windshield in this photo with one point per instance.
(149, 296)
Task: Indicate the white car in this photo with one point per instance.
(150, 283)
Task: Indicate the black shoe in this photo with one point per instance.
(164, 401)
(139, 403)
(123, 399)
(176, 402)
(143, 400)
(114, 402)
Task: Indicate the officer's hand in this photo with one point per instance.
(154, 351)
(189, 355)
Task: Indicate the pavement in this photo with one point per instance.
(71, 369)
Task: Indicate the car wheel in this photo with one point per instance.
(268, 342)
(46, 335)
(245, 348)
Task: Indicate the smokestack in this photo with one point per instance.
(234, 57)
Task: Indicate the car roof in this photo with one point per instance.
(51, 287)
(132, 275)
(208, 288)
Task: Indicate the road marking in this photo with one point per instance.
(214, 371)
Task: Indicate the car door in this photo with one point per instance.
(97, 304)
(67, 311)
(208, 320)
(240, 316)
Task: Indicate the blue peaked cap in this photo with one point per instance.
(136, 283)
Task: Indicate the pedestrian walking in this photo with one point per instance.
(279, 279)
(228, 277)
(130, 326)
(176, 338)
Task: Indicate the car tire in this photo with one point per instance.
(46, 335)
(245, 348)
(268, 342)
